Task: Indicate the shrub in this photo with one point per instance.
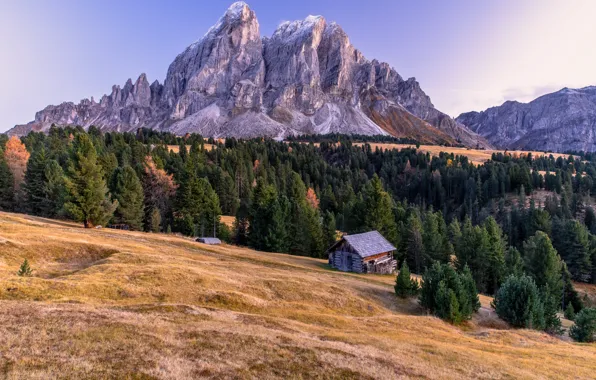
(584, 329)
(405, 286)
(518, 303)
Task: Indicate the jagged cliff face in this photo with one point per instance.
(562, 121)
(306, 78)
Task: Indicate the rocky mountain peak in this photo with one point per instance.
(306, 78)
(560, 121)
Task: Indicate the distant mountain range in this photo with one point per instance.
(561, 121)
(306, 78)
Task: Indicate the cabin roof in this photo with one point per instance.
(209, 240)
(367, 244)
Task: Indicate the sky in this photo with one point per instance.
(467, 54)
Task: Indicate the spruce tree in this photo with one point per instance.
(518, 302)
(405, 285)
(496, 255)
(416, 255)
(6, 186)
(54, 190)
(88, 198)
(584, 329)
(127, 190)
(25, 269)
(329, 229)
(378, 210)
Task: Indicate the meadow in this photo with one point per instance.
(116, 304)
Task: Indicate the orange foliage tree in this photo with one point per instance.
(311, 198)
(159, 187)
(16, 156)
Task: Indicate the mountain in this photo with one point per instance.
(306, 78)
(561, 121)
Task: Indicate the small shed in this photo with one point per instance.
(368, 252)
(209, 240)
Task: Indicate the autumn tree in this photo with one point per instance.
(16, 157)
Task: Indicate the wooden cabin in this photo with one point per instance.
(369, 252)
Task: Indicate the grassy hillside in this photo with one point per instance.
(105, 303)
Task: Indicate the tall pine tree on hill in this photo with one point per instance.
(127, 190)
(88, 198)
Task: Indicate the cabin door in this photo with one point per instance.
(349, 262)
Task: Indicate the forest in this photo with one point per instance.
(294, 196)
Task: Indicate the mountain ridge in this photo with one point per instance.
(560, 121)
(306, 78)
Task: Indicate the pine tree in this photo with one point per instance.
(54, 190)
(88, 200)
(496, 255)
(378, 210)
(6, 186)
(127, 190)
(416, 255)
(35, 180)
(584, 329)
(267, 224)
(514, 264)
(405, 286)
(543, 264)
(518, 302)
(432, 239)
(25, 269)
(329, 229)
(569, 312)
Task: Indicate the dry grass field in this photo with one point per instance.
(477, 156)
(115, 304)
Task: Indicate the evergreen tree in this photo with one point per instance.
(584, 329)
(378, 210)
(569, 312)
(25, 269)
(127, 190)
(514, 264)
(35, 181)
(433, 240)
(88, 200)
(496, 255)
(267, 224)
(54, 190)
(329, 229)
(405, 286)
(6, 186)
(416, 255)
(447, 294)
(518, 302)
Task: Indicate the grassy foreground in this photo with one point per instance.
(115, 304)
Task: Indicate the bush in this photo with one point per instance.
(449, 295)
(584, 329)
(405, 286)
(518, 303)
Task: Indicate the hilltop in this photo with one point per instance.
(107, 303)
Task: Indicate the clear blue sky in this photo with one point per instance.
(467, 54)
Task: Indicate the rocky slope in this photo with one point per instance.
(306, 78)
(561, 121)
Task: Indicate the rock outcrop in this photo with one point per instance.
(306, 78)
(561, 121)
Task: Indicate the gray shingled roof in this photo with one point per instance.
(368, 243)
(209, 240)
